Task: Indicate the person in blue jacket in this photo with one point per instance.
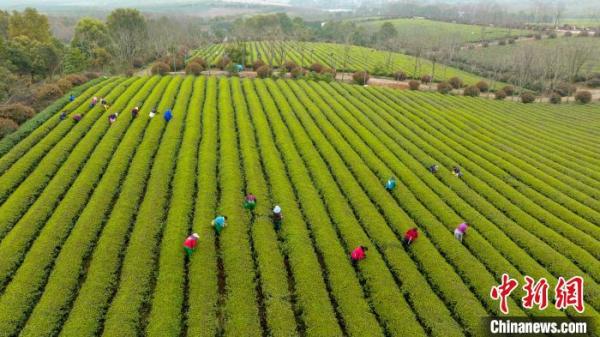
(390, 184)
(71, 98)
(168, 115)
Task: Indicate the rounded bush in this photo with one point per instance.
(360, 77)
(565, 89)
(76, 79)
(444, 88)
(414, 85)
(64, 84)
(485, 44)
(455, 82)
(48, 92)
(583, 33)
(509, 90)
(257, 64)
(568, 33)
(90, 75)
(223, 62)
(552, 35)
(17, 112)
(316, 67)
(193, 69)
(290, 65)
(129, 72)
(500, 94)
(483, 86)
(593, 83)
(199, 61)
(426, 79)
(298, 72)
(400, 76)
(502, 43)
(555, 98)
(538, 36)
(138, 62)
(160, 68)
(264, 71)
(527, 97)
(471, 91)
(7, 126)
(511, 41)
(583, 97)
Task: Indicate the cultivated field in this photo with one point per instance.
(430, 31)
(341, 57)
(93, 216)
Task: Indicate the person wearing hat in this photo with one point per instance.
(134, 112)
(190, 243)
(152, 113)
(390, 184)
(219, 223)
(277, 217)
(460, 231)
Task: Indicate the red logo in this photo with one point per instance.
(503, 291)
(569, 293)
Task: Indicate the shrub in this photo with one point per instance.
(7, 126)
(290, 65)
(160, 68)
(538, 36)
(555, 98)
(583, 97)
(90, 75)
(552, 35)
(129, 72)
(568, 34)
(502, 43)
(17, 112)
(298, 72)
(509, 90)
(456, 82)
(426, 79)
(361, 77)
(76, 79)
(264, 71)
(527, 97)
(471, 91)
(199, 61)
(414, 85)
(483, 86)
(583, 33)
(565, 89)
(485, 44)
(193, 69)
(511, 41)
(64, 84)
(500, 94)
(138, 62)
(593, 83)
(316, 67)
(257, 64)
(400, 76)
(48, 92)
(223, 62)
(444, 87)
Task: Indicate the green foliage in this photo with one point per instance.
(75, 61)
(527, 97)
(30, 24)
(444, 88)
(128, 31)
(90, 35)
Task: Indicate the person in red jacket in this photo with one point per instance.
(358, 253)
(190, 243)
(410, 236)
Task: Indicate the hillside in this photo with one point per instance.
(341, 57)
(93, 216)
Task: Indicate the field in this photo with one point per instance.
(93, 217)
(432, 31)
(493, 55)
(341, 57)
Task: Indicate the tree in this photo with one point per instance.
(583, 97)
(31, 24)
(128, 31)
(75, 61)
(387, 32)
(4, 23)
(90, 34)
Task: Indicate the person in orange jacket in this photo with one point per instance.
(358, 253)
(190, 243)
(410, 236)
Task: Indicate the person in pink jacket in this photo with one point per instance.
(460, 231)
(358, 253)
(190, 243)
